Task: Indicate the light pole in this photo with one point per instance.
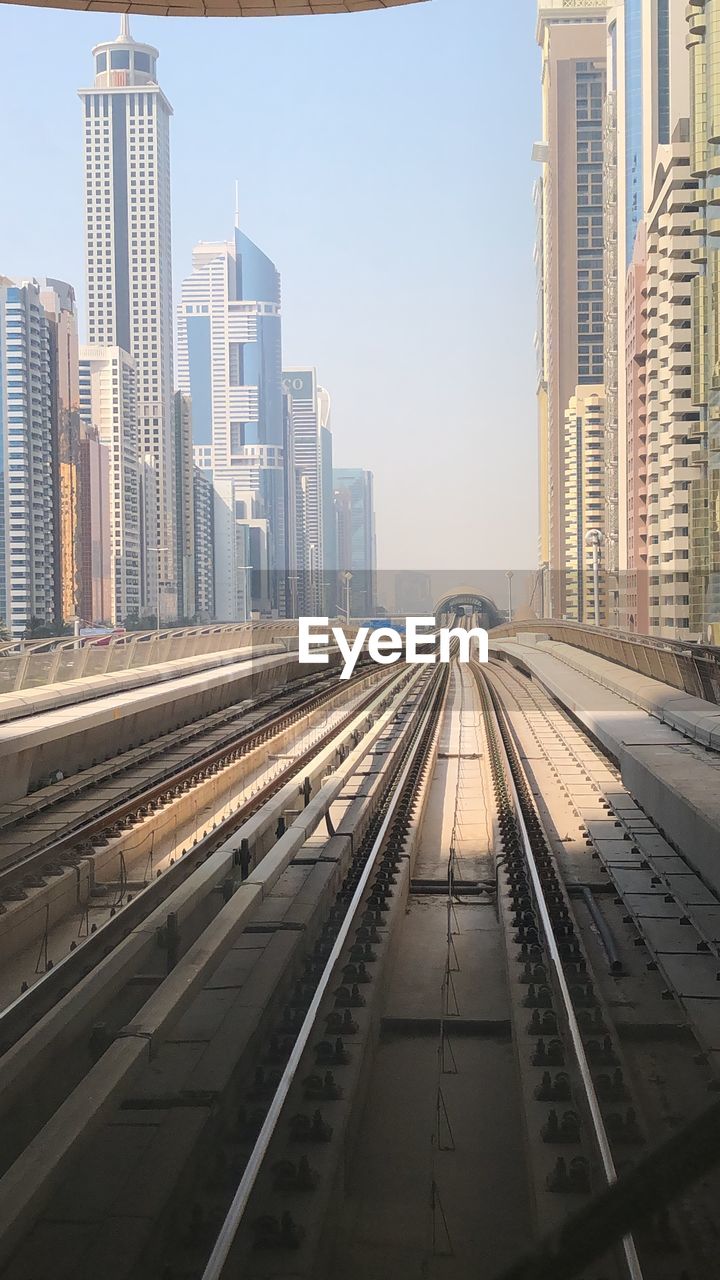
(509, 576)
(593, 539)
(348, 579)
(158, 552)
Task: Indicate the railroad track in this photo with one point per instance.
(561, 1029)
(675, 914)
(583, 1114)
(150, 775)
(333, 1022)
(397, 734)
(248, 1065)
(201, 914)
(63, 974)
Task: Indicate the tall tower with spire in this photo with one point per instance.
(128, 267)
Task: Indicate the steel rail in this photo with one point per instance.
(511, 744)
(228, 1231)
(239, 739)
(71, 968)
(112, 768)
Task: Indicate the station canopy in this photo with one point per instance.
(219, 8)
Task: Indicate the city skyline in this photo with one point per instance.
(106, 465)
(397, 407)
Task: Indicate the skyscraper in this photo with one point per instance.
(570, 251)
(229, 363)
(95, 598)
(329, 520)
(355, 535)
(647, 96)
(204, 538)
(27, 508)
(184, 516)
(634, 594)
(309, 410)
(584, 485)
(128, 253)
(703, 19)
(58, 300)
(108, 402)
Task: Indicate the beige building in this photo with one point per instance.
(95, 597)
(570, 251)
(108, 402)
(647, 96)
(584, 488)
(634, 580)
(674, 431)
(703, 18)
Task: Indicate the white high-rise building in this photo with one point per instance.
(233, 571)
(108, 399)
(185, 515)
(309, 413)
(27, 464)
(128, 254)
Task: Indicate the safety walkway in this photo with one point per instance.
(673, 772)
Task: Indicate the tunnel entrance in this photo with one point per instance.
(464, 602)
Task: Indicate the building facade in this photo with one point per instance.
(185, 512)
(95, 598)
(108, 403)
(634, 596)
(71, 533)
(128, 265)
(675, 435)
(309, 413)
(232, 577)
(647, 96)
(329, 519)
(27, 491)
(584, 484)
(229, 363)
(355, 539)
(703, 22)
(204, 542)
(570, 253)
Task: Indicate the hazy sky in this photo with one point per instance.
(384, 165)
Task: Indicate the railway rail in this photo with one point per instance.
(63, 974)
(382, 712)
(564, 1023)
(675, 916)
(150, 774)
(248, 1063)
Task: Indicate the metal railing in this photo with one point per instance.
(55, 661)
(694, 668)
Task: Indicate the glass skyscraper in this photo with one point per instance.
(229, 364)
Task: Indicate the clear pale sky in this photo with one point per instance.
(384, 165)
